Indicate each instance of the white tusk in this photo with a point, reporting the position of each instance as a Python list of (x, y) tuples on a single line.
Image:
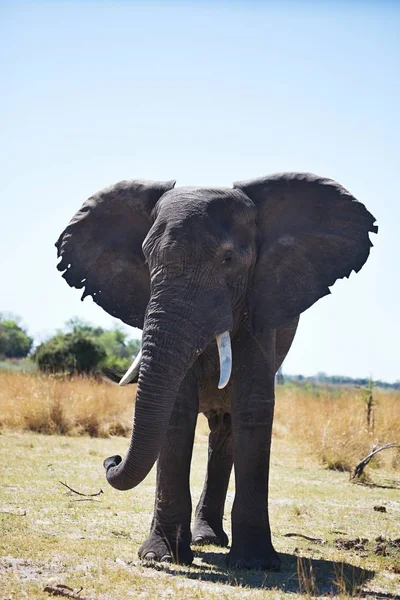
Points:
[(225, 358), (133, 370)]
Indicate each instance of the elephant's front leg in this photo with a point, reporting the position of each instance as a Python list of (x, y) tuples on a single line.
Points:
[(252, 416), (170, 536), (210, 509)]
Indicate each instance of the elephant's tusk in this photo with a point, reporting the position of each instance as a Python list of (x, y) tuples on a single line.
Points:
[(133, 370), (225, 358)]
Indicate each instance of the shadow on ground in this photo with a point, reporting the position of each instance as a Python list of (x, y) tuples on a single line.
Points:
[(314, 577)]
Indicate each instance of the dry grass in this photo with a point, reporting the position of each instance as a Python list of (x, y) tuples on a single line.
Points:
[(63, 405), (332, 424), (329, 423)]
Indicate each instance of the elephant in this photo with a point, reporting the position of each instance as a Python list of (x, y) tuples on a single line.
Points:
[(216, 278)]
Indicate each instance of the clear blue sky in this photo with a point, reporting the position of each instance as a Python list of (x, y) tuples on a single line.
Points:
[(95, 92)]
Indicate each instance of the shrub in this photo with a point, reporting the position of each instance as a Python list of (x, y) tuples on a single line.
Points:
[(119, 349), (116, 364), (70, 353), (14, 341)]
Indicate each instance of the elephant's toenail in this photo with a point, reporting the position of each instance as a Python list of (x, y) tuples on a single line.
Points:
[(166, 558), (150, 556)]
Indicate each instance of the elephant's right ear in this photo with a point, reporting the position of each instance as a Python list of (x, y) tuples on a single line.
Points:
[(101, 248)]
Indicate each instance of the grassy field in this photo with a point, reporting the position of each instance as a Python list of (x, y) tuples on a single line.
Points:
[(52, 537)]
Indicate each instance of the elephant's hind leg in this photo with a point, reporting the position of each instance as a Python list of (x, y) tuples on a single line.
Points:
[(169, 539), (208, 527)]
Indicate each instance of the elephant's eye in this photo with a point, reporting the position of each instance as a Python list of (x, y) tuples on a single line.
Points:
[(228, 258)]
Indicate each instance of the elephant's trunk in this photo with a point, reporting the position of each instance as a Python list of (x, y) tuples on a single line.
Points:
[(170, 345)]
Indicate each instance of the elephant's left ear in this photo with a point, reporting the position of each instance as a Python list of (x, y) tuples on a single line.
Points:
[(311, 232)]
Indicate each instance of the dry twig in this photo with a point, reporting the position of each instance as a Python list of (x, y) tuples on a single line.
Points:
[(362, 464), (64, 590), (80, 493)]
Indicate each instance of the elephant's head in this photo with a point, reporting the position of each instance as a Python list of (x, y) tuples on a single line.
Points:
[(188, 265)]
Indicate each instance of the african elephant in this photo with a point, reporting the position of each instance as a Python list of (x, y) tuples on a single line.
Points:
[(190, 266)]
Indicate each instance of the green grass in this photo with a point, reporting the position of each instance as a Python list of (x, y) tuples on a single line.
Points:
[(49, 538), (18, 365)]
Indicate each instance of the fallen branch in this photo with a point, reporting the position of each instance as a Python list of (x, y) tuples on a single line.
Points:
[(362, 464), (64, 590), (85, 500), (80, 493), (306, 537), (8, 512)]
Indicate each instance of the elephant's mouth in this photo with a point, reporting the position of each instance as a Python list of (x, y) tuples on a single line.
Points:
[(223, 341)]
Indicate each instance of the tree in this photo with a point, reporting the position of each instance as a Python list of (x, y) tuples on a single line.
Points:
[(119, 349), (86, 349), (70, 353), (14, 340), (75, 325)]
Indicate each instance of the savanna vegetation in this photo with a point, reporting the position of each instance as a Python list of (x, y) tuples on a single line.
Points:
[(80, 348), (336, 426), (338, 535), (84, 349)]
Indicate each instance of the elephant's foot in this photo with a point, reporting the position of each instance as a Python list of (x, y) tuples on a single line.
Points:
[(257, 555), (160, 548), (208, 531)]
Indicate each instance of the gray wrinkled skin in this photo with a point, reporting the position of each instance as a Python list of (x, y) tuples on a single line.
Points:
[(187, 264)]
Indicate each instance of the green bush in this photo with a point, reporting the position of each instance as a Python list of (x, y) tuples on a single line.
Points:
[(70, 353), (14, 341), (116, 363)]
